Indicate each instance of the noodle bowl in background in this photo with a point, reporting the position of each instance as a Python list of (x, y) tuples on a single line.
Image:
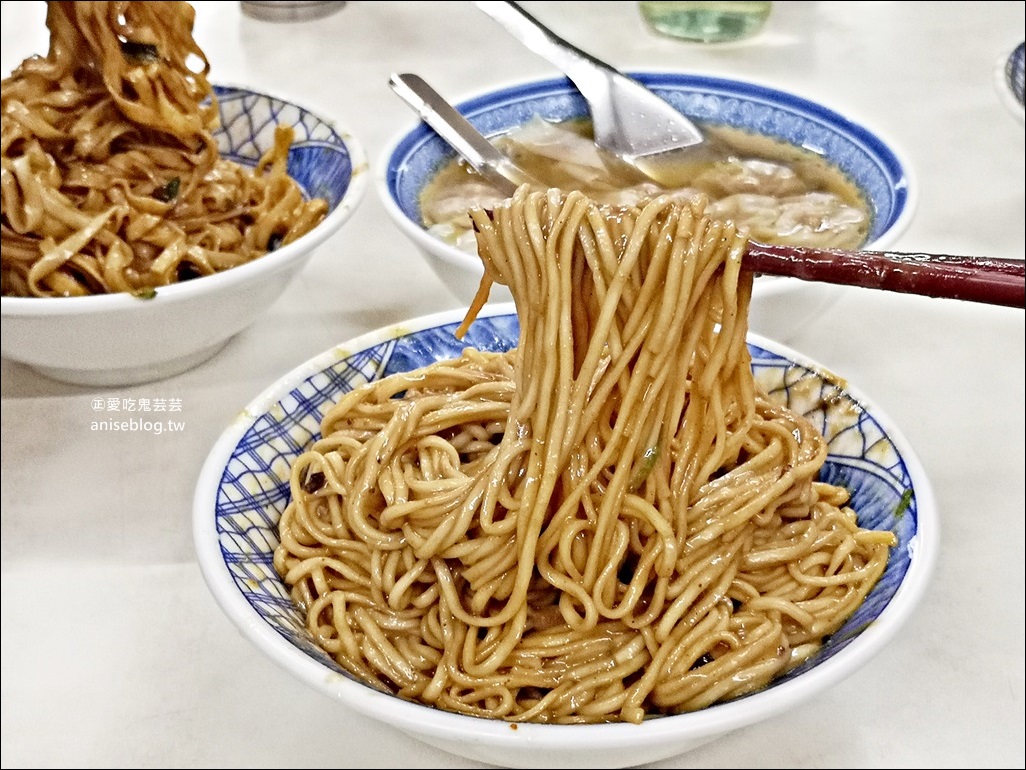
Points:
[(126, 337), (112, 176)]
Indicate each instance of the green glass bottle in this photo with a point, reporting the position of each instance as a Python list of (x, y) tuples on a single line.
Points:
[(712, 22)]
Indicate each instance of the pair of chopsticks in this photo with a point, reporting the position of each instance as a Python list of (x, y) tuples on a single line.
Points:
[(975, 279)]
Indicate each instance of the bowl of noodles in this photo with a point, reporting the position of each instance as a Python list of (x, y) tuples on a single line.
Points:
[(150, 215), (597, 526), (790, 169)]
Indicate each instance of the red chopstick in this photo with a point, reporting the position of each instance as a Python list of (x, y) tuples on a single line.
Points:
[(975, 279)]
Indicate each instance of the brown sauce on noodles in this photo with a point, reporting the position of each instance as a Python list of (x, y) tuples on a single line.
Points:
[(607, 523), (112, 180)]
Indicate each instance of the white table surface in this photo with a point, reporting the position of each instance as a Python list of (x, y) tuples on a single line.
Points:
[(114, 651)]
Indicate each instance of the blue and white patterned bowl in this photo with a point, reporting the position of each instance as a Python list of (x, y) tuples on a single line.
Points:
[(780, 305), (244, 487), (82, 339), (1009, 78), (321, 159)]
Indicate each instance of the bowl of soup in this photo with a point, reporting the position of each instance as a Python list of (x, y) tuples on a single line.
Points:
[(788, 169)]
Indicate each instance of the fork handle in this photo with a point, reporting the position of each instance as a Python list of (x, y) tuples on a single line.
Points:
[(459, 133), (586, 72)]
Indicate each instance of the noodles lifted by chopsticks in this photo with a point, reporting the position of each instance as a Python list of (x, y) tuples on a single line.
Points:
[(112, 180), (608, 522)]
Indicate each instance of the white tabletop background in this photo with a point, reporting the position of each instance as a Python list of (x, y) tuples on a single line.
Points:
[(114, 651)]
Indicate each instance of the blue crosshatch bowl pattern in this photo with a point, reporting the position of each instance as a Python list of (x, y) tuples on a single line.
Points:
[(1009, 79), (867, 456), (872, 163), (319, 158), (1014, 72)]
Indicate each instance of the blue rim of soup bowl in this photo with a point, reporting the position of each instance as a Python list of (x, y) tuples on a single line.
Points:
[(873, 163)]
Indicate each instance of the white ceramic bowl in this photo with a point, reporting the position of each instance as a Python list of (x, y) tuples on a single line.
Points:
[(243, 488), (780, 306), (119, 339)]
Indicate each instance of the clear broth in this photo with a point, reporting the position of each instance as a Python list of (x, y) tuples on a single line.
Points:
[(776, 191)]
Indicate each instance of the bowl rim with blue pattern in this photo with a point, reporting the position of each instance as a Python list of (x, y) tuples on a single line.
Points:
[(242, 111), (243, 487)]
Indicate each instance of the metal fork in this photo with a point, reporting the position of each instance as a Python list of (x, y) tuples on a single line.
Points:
[(629, 120)]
